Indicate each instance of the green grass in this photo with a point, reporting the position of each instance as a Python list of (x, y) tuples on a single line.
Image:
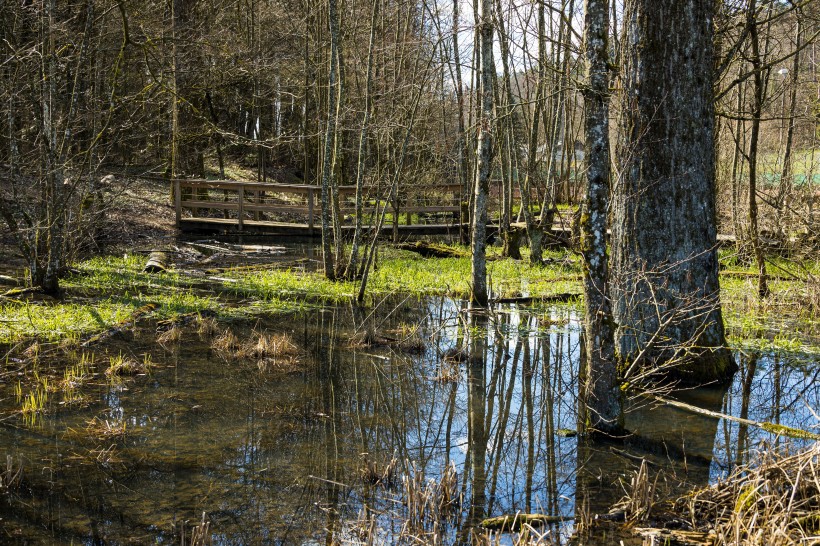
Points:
[(110, 290), (804, 163), (406, 272), (51, 322)]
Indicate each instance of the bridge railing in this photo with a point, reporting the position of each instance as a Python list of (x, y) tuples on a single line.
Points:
[(240, 202)]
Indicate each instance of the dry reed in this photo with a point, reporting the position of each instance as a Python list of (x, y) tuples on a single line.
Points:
[(773, 501)]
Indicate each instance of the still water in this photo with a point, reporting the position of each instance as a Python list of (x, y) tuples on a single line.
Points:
[(373, 414)]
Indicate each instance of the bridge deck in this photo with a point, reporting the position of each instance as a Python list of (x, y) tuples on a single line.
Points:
[(291, 229)]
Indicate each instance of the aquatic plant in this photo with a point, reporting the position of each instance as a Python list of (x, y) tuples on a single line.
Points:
[(106, 429), (200, 533), (449, 370), (34, 403), (121, 365), (171, 335), (11, 475), (74, 376), (376, 472), (227, 344)]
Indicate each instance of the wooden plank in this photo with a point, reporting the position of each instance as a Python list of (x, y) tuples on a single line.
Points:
[(305, 188), (431, 209), (302, 230), (247, 206)]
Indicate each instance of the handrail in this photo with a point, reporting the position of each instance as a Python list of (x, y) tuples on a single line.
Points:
[(255, 205)]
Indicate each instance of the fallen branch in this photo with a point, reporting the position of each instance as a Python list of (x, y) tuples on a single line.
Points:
[(674, 537), (774, 428), (562, 297), (123, 325), (514, 522)]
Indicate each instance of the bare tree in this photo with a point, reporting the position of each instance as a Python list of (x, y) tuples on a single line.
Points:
[(601, 391), (484, 158)]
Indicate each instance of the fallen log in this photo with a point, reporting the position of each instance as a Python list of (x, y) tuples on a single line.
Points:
[(157, 262), (561, 297), (5, 280), (514, 522), (675, 537), (431, 250)]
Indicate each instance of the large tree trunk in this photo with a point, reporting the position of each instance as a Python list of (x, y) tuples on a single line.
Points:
[(665, 270), (601, 389)]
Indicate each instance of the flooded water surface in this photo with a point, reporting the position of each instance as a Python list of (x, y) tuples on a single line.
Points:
[(413, 420)]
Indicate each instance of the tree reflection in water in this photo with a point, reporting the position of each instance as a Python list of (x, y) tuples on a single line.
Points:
[(329, 449)]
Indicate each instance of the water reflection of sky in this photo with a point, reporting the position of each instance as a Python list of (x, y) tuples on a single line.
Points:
[(278, 457)]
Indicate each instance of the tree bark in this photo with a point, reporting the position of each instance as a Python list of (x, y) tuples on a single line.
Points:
[(353, 263), (484, 158), (664, 254), (330, 131), (601, 389), (46, 275), (759, 93)]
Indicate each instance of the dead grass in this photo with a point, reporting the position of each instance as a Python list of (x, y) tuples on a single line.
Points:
[(376, 472), (200, 535), (272, 345), (227, 344), (104, 429), (272, 352), (122, 365), (206, 327), (449, 371), (170, 336), (773, 501)]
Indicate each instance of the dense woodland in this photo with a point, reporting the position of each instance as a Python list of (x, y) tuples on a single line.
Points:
[(670, 121), (638, 134), (374, 93)]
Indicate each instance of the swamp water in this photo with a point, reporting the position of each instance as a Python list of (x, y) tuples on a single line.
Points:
[(412, 421)]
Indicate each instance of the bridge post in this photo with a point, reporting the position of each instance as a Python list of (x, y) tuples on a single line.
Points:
[(178, 201), (241, 208), (310, 195)]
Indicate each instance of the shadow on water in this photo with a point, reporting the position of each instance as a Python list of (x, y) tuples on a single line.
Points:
[(412, 421)]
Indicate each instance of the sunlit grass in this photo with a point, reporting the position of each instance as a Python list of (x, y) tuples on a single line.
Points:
[(406, 272), (53, 321), (110, 290)]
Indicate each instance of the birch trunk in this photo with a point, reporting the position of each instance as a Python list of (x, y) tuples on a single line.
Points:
[(330, 131), (484, 158), (601, 389)]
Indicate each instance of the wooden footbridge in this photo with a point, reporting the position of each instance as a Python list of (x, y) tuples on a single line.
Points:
[(229, 206), (294, 210)]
